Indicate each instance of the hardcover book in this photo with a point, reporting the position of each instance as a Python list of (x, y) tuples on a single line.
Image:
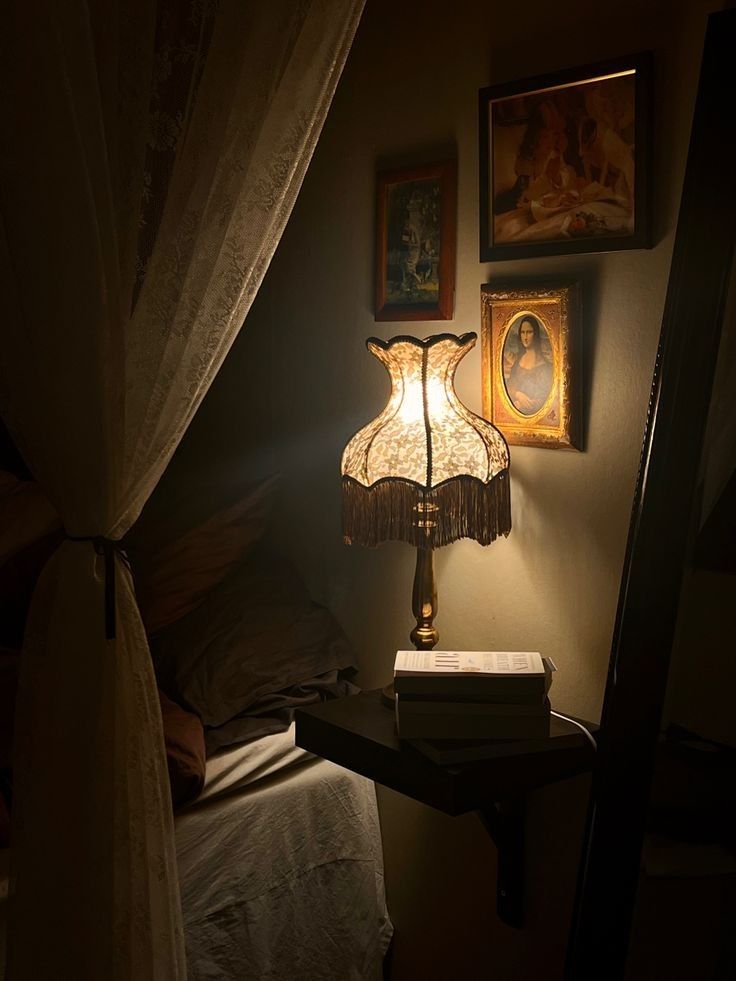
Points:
[(498, 676), (435, 720)]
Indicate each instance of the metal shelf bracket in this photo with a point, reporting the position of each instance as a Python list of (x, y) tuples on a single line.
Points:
[(504, 822)]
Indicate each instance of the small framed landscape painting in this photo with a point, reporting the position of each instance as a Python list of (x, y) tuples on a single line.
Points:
[(565, 161), (415, 243), (531, 384)]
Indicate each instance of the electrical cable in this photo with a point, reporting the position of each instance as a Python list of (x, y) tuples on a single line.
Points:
[(588, 735)]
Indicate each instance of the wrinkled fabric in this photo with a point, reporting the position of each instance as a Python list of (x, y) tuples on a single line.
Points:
[(281, 870), (274, 712)]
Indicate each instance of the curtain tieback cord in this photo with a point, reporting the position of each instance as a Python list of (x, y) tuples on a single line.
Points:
[(107, 547)]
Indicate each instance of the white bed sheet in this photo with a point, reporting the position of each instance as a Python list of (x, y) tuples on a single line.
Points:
[(236, 767), (281, 870)]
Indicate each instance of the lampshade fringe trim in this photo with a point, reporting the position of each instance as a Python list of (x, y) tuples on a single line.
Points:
[(465, 508)]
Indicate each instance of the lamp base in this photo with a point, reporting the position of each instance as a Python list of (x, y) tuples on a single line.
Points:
[(425, 635), (424, 601)]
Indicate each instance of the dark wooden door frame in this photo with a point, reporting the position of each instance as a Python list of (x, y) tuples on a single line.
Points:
[(661, 523)]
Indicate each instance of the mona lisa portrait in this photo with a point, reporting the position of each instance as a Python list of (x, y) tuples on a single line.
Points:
[(528, 364), (530, 385)]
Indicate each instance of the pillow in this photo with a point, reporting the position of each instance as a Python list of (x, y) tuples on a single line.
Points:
[(183, 736), (274, 712), (185, 755), (173, 574), (255, 633)]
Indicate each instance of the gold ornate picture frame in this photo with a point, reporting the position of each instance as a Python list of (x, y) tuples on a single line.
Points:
[(531, 381)]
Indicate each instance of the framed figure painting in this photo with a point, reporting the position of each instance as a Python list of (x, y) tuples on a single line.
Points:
[(415, 243), (565, 162), (531, 386)]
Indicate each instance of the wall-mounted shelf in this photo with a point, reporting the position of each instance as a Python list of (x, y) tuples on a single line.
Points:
[(359, 733)]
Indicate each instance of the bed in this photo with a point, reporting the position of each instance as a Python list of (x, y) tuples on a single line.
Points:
[(280, 862), (281, 870)]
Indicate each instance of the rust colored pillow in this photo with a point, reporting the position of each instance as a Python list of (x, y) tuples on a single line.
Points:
[(183, 736), (185, 753), (174, 576)]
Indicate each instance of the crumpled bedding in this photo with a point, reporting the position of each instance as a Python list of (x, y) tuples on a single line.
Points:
[(274, 711), (235, 768), (281, 869)]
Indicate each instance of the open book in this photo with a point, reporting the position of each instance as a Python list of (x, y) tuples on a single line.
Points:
[(516, 663)]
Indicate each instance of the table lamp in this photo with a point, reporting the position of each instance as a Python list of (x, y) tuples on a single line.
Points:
[(427, 470)]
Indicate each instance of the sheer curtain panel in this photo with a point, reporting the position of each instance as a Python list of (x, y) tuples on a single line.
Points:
[(151, 154)]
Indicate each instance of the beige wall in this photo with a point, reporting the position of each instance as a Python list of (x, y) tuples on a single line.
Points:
[(299, 382), (409, 91)]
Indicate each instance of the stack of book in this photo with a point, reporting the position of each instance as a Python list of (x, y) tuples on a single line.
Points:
[(472, 695)]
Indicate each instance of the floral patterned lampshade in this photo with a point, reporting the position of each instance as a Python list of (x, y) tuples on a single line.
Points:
[(427, 470)]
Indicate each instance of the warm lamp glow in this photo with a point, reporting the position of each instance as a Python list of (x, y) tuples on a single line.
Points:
[(425, 455)]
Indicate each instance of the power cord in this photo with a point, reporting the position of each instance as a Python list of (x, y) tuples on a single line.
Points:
[(588, 734)]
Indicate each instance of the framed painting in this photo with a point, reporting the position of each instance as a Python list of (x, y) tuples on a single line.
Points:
[(415, 243), (529, 349), (565, 162)]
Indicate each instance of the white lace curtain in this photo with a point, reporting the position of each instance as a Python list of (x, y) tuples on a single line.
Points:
[(151, 154)]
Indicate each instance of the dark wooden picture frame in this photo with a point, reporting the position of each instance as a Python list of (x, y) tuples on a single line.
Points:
[(565, 162), (415, 243), (540, 404)]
